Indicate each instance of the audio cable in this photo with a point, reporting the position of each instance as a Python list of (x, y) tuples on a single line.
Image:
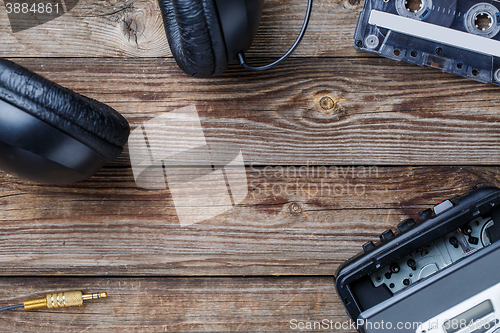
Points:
[(243, 61), (56, 300)]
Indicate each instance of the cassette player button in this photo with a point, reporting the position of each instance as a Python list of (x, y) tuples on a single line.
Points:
[(388, 234), (426, 214), (368, 246), (406, 224), (443, 207)]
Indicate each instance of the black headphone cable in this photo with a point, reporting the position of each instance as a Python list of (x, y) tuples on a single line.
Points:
[(243, 61)]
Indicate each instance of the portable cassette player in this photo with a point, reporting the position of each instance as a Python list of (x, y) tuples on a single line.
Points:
[(438, 275)]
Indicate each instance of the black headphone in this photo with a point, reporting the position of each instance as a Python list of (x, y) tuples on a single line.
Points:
[(51, 134), (205, 35)]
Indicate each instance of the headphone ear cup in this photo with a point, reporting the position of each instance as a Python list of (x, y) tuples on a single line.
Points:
[(195, 36), (41, 119)]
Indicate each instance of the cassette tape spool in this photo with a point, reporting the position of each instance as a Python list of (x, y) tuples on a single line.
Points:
[(458, 37)]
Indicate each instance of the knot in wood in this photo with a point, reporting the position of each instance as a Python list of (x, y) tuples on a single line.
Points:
[(295, 208), (327, 103)]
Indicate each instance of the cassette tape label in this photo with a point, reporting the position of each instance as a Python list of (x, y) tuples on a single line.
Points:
[(459, 37)]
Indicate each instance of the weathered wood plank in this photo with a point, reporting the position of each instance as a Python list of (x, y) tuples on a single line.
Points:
[(175, 304), (383, 112), (295, 221), (304, 223), (134, 28)]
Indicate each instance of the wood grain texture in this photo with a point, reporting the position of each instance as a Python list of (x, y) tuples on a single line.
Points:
[(313, 197), (380, 116), (176, 304), (306, 223), (134, 28)]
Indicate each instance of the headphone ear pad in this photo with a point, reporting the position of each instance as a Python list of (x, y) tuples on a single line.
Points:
[(44, 123), (195, 36)]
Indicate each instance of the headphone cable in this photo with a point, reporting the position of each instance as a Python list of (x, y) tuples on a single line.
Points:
[(243, 61), (12, 307)]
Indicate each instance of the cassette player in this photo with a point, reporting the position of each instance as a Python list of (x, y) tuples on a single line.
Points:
[(438, 275), (459, 37)]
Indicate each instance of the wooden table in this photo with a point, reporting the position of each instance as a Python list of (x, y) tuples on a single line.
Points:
[(405, 137)]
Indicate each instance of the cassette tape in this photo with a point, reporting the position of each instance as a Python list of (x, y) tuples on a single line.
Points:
[(459, 37), (438, 275)]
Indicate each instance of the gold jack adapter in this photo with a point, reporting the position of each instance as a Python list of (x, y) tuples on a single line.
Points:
[(61, 300)]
